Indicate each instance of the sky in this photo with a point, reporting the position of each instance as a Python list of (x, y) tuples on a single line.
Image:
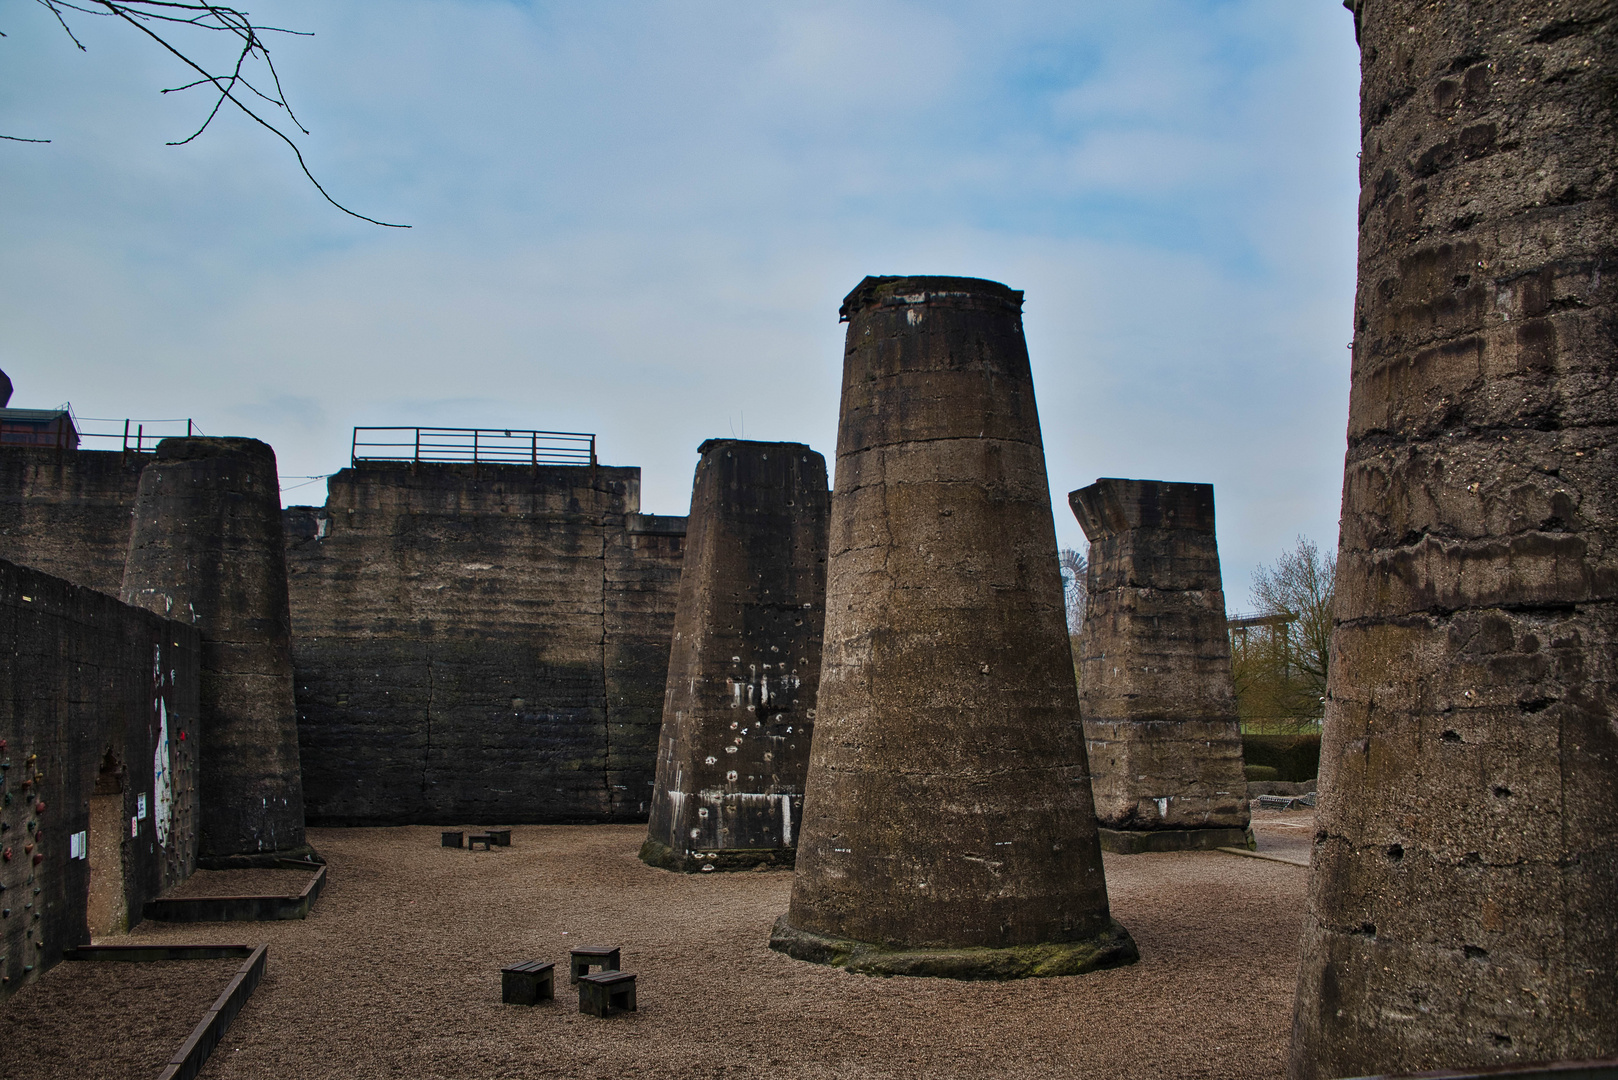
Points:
[(638, 219)]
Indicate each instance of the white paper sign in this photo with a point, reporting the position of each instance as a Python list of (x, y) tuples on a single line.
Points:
[(140, 806), (134, 826), (76, 845)]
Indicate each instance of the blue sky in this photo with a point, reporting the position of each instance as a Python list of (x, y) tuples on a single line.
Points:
[(638, 219)]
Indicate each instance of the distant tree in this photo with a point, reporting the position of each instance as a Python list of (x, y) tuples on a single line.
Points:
[(1281, 668), (248, 80), (1074, 565)]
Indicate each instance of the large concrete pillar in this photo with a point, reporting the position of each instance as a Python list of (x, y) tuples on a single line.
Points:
[(948, 826), (1463, 901), (745, 664), (1155, 687), (207, 548)]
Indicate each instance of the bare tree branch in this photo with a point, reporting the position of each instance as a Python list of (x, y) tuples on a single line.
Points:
[(147, 16)]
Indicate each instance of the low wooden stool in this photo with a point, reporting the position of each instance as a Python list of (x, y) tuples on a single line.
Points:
[(601, 993), (451, 839), (475, 839), (501, 837), (586, 957), (528, 983)]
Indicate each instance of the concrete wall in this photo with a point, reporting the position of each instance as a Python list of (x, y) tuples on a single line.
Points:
[(87, 682), (480, 645), (68, 512)]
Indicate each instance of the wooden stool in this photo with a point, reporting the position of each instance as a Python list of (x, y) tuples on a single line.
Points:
[(501, 837), (528, 983), (475, 839), (601, 993), (451, 839), (586, 957)]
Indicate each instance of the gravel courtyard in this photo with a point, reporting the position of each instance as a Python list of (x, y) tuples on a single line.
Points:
[(396, 974)]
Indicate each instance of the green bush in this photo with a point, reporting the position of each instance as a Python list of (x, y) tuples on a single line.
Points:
[(1295, 758), (1261, 772)]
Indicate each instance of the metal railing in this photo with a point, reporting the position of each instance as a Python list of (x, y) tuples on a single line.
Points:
[(132, 436), (490, 446)]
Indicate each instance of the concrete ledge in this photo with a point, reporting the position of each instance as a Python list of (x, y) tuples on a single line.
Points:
[(1137, 842), (1604, 1069), (240, 908), (1113, 947), (658, 854)]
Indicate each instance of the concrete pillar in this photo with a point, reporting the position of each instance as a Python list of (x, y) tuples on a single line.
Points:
[(948, 825), (207, 549), (1155, 687), (1463, 900), (745, 664)]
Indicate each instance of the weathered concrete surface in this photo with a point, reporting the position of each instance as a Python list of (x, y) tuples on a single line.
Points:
[(89, 688), (68, 512), (1463, 902), (207, 549), (745, 665), (481, 644), (948, 823), (1156, 692)]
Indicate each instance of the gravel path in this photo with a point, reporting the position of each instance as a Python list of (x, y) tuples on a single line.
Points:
[(107, 1020), (396, 973)]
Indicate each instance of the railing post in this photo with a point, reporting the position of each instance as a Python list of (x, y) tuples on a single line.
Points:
[(126, 435), (416, 458), (140, 438)]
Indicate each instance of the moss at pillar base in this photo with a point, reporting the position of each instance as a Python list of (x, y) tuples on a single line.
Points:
[(1113, 947), (1137, 842), (658, 854)]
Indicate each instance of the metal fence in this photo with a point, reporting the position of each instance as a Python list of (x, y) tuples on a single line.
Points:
[(492, 446), (131, 436)]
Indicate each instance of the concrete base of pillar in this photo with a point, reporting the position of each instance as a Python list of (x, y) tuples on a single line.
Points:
[(658, 854), (1111, 948), (259, 860), (1139, 841)]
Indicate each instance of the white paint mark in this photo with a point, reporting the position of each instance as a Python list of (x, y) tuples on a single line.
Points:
[(1162, 807), (162, 779), (786, 819)]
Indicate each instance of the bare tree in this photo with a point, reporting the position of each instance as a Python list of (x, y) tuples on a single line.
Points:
[(1281, 667), (1074, 565), (248, 81)]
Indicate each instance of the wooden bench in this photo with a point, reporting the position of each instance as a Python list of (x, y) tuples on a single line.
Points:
[(586, 957), (528, 983), (601, 993), (475, 839), (450, 839)]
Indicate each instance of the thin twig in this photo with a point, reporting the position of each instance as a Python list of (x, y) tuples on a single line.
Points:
[(218, 18)]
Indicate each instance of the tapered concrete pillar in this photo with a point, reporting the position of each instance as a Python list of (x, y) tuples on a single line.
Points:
[(1463, 901), (948, 826), (1155, 687), (207, 548), (745, 664)]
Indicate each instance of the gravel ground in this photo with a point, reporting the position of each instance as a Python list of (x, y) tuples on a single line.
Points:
[(396, 973), (106, 1020)]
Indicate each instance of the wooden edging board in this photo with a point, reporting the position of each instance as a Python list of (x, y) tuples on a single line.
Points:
[(1262, 855), (188, 1059), (240, 908)]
